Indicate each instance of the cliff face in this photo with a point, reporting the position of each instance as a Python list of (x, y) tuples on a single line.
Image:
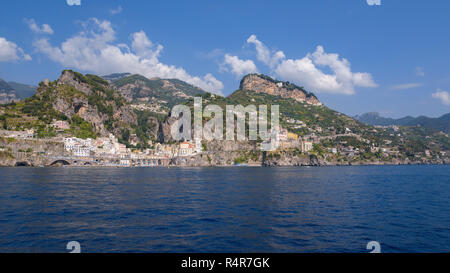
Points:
[(265, 84), (90, 98)]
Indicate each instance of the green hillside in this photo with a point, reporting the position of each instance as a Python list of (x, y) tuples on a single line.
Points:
[(166, 91)]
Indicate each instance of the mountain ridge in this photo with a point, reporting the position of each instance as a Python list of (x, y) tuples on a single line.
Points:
[(441, 123), (261, 83), (13, 91), (89, 107), (165, 92)]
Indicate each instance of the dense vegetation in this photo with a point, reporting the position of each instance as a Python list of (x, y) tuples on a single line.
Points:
[(38, 112), (159, 89)]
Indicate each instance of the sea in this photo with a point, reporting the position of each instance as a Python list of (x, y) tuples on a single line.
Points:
[(231, 209)]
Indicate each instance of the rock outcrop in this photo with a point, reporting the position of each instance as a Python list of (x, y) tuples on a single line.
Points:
[(90, 98), (265, 84)]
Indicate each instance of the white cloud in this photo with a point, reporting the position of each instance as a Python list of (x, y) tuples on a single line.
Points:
[(306, 71), (405, 86), (240, 67), (116, 10), (443, 96), (420, 72), (144, 48), (73, 2), (263, 53), (9, 52), (44, 29), (374, 2), (94, 50)]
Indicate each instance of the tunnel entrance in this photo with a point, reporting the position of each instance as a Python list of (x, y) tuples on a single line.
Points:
[(23, 164), (60, 163)]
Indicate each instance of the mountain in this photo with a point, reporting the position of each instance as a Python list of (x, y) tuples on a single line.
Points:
[(440, 124), (265, 84), (155, 92), (130, 108), (6, 92), (12, 91), (95, 107), (86, 102), (22, 91), (115, 76), (300, 111), (374, 118)]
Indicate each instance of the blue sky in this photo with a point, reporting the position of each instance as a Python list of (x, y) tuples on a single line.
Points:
[(391, 58)]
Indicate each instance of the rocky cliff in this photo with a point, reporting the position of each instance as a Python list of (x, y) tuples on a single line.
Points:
[(90, 98), (265, 84)]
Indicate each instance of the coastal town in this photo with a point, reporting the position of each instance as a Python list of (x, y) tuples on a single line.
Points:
[(86, 120), (108, 151)]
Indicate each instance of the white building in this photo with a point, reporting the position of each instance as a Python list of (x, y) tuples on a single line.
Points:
[(282, 134), (307, 146), (186, 149), (125, 162), (79, 147), (81, 151)]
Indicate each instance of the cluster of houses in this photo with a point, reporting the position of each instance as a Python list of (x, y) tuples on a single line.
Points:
[(185, 148), (110, 146), (100, 146), (289, 140), (296, 124)]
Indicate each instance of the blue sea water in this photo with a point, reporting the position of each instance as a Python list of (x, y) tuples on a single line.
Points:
[(323, 209)]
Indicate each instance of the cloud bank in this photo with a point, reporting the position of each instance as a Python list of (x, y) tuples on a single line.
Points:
[(94, 50), (307, 71), (10, 52)]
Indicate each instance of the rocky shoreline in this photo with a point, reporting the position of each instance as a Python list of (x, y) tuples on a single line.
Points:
[(198, 162), (51, 152)]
